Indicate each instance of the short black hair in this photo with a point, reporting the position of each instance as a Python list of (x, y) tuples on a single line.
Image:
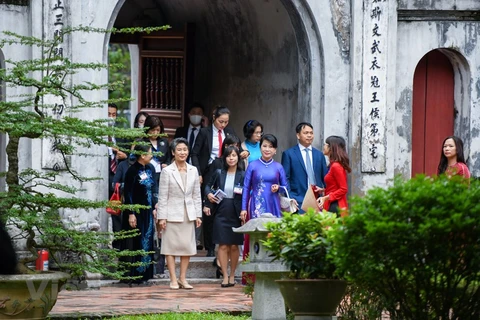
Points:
[(142, 148), (249, 128), (196, 105), (270, 138), (227, 152), (113, 105), (231, 139), (302, 125), (152, 122)]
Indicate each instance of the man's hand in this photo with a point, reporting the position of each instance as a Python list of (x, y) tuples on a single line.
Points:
[(121, 155)]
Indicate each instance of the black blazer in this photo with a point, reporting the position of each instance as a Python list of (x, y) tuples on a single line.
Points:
[(181, 132), (203, 148), (217, 181)]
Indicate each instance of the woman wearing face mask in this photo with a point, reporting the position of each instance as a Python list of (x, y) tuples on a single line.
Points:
[(140, 118), (140, 188), (228, 179)]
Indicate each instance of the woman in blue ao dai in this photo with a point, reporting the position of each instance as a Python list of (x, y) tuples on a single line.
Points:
[(262, 181), (140, 188)]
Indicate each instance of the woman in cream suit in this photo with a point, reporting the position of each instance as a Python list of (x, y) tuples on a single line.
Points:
[(179, 212)]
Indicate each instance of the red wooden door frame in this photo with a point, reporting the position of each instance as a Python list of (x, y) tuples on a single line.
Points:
[(432, 112)]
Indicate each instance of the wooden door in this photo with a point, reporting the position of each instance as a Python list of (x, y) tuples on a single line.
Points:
[(166, 75), (433, 111)]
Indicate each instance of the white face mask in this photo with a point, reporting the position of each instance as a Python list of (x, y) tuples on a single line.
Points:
[(111, 122), (195, 119)]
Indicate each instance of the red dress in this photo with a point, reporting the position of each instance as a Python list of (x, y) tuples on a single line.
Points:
[(458, 169), (336, 186)]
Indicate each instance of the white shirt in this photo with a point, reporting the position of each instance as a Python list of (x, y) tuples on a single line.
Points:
[(195, 133), (304, 154), (215, 146)]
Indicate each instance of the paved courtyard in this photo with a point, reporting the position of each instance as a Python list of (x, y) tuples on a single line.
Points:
[(122, 300)]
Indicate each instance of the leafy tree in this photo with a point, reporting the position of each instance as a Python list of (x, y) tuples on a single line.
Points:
[(34, 198), (118, 54)]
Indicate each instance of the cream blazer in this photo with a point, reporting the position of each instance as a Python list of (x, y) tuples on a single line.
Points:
[(173, 197)]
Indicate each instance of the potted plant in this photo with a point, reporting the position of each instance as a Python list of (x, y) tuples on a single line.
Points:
[(31, 206), (304, 244), (415, 247)]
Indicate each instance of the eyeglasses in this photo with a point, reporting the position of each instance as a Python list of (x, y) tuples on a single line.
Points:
[(258, 133)]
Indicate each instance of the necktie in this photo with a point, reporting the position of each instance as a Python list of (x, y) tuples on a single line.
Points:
[(220, 141), (113, 161), (191, 140), (113, 165), (310, 173)]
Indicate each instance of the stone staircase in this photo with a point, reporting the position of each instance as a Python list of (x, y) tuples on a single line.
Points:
[(200, 270)]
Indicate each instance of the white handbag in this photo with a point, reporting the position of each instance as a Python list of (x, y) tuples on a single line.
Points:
[(286, 203)]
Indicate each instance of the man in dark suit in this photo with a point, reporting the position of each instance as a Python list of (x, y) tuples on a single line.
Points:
[(197, 121), (303, 164), (207, 147), (115, 156)]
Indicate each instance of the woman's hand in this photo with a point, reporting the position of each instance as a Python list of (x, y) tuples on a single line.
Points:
[(321, 201), (154, 214), (319, 190), (274, 188), (243, 216), (244, 154), (206, 210), (198, 222), (162, 224), (132, 220), (212, 198)]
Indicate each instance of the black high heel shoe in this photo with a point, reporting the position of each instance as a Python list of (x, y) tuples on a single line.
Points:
[(219, 273)]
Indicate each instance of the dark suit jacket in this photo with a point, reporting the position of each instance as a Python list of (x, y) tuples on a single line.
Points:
[(181, 132), (294, 166), (203, 148), (217, 181)]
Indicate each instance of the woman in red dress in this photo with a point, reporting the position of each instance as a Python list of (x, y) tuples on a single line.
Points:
[(452, 159), (335, 196)]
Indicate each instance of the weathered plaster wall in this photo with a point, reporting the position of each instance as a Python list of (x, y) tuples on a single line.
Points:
[(461, 43), (333, 24), (10, 15)]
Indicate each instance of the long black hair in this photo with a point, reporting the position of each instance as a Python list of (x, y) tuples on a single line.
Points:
[(443, 164)]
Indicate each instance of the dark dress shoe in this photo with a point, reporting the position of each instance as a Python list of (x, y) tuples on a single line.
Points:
[(225, 285), (210, 253), (199, 247)]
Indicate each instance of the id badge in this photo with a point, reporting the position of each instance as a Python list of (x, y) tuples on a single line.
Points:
[(143, 176), (238, 190), (156, 165)]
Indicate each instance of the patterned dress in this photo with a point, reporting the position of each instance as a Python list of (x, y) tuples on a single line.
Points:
[(140, 188), (257, 197)]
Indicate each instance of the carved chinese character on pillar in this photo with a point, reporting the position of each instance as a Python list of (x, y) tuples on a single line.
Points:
[(54, 106), (375, 37)]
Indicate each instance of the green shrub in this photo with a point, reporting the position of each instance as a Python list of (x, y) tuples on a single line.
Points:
[(302, 242), (416, 246)]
